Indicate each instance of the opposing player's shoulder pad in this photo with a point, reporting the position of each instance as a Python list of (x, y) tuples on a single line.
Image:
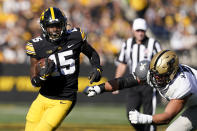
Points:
[(30, 49), (180, 88)]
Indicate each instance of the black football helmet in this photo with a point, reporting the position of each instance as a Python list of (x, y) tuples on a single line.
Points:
[(53, 17)]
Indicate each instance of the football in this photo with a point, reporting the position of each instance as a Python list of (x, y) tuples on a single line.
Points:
[(41, 64)]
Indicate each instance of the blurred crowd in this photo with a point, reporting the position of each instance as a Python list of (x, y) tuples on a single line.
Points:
[(106, 22)]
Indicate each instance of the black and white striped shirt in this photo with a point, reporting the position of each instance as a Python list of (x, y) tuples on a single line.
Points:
[(131, 52)]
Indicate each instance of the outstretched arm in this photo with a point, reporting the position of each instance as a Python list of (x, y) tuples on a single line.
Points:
[(112, 85)]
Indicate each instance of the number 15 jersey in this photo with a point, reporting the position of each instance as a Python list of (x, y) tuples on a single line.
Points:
[(63, 83)]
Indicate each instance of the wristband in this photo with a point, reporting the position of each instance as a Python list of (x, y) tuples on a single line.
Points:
[(102, 87), (145, 119)]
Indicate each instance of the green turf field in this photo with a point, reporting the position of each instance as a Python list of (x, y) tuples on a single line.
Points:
[(84, 117)]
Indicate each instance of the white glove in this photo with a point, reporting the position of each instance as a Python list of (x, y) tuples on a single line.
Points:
[(138, 118), (91, 91)]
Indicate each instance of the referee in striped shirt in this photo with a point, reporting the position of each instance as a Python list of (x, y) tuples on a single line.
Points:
[(135, 49)]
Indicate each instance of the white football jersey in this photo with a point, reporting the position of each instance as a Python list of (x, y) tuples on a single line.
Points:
[(185, 83)]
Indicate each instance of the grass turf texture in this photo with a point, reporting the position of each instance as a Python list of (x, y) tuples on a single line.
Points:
[(84, 117)]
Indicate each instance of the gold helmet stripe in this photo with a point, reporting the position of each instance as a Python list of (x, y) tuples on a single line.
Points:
[(159, 57), (42, 16), (52, 13)]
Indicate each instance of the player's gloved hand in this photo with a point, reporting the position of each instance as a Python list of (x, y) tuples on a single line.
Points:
[(95, 74), (91, 91), (36, 81), (47, 69), (138, 118)]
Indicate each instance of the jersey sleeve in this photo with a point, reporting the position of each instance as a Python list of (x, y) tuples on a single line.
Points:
[(127, 82), (180, 89), (157, 47), (122, 55), (91, 54), (30, 51)]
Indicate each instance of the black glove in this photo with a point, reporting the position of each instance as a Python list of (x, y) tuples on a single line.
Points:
[(36, 81), (46, 70), (95, 74)]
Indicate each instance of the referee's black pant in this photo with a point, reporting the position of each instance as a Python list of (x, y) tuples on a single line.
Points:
[(144, 96)]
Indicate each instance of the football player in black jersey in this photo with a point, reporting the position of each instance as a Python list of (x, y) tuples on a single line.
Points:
[(58, 79)]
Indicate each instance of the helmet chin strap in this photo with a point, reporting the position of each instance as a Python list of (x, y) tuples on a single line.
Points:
[(54, 36)]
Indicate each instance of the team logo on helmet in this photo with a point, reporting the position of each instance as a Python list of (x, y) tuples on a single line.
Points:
[(142, 69)]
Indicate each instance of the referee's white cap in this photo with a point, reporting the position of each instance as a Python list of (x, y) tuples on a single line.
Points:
[(139, 24)]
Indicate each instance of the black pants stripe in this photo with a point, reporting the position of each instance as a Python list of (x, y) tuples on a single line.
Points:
[(145, 97)]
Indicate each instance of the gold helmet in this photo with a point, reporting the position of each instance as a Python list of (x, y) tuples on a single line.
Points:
[(163, 68)]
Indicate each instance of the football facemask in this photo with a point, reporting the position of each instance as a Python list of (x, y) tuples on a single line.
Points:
[(54, 31), (163, 68), (53, 24), (159, 80)]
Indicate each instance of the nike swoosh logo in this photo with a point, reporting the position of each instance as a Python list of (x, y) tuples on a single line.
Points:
[(62, 102), (70, 45)]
